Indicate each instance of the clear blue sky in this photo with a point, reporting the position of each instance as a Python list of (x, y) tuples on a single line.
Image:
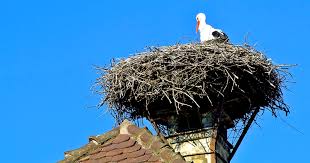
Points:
[(48, 50)]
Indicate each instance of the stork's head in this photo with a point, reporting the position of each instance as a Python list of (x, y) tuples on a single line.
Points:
[(201, 17)]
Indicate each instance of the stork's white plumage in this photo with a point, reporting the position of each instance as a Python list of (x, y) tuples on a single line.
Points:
[(207, 32)]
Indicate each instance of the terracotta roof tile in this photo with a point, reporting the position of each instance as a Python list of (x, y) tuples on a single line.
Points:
[(153, 158), (133, 129), (98, 155), (133, 148), (108, 148), (125, 144), (145, 137), (165, 154), (124, 161), (95, 151), (107, 159), (178, 160), (86, 161), (143, 158), (129, 144), (106, 144), (136, 154), (121, 138), (157, 145), (114, 152), (148, 152), (119, 158)]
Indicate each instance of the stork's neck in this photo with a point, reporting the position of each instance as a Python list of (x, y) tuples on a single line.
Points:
[(203, 25)]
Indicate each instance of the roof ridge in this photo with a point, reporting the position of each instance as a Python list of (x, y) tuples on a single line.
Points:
[(142, 136), (73, 155), (153, 142)]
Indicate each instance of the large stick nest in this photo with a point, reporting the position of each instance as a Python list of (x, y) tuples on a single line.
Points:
[(192, 78)]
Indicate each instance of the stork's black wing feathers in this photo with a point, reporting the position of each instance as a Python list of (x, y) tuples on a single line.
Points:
[(216, 34), (220, 35)]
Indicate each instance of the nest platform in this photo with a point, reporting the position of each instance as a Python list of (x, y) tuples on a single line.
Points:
[(188, 79)]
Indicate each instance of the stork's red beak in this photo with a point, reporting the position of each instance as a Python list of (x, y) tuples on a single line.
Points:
[(197, 26)]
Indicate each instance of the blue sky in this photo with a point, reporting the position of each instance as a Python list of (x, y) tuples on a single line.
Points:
[(48, 50)]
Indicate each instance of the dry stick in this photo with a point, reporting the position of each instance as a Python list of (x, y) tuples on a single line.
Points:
[(155, 126), (189, 64), (157, 130), (246, 128)]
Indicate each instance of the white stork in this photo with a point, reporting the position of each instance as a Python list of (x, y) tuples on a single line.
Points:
[(207, 32)]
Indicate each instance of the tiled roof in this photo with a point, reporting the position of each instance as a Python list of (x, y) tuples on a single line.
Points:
[(124, 144)]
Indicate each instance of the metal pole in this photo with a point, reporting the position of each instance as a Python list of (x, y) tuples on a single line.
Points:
[(246, 128)]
